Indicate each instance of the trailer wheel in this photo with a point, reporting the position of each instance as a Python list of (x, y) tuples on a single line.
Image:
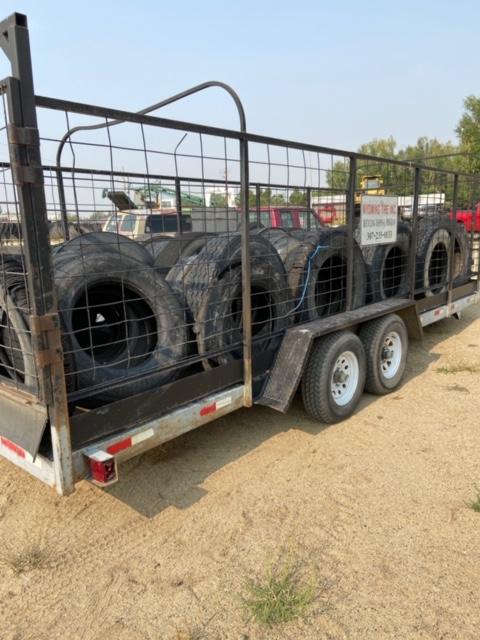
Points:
[(334, 377), (386, 345)]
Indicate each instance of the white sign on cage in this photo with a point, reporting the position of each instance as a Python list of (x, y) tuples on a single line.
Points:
[(378, 220)]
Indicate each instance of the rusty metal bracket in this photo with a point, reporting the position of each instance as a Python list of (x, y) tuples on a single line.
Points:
[(46, 336), (24, 136)]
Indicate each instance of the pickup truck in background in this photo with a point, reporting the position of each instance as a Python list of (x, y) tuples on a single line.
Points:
[(469, 218), (286, 217), (138, 223)]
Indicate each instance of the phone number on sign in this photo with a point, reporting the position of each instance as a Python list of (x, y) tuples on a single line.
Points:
[(379, 235)]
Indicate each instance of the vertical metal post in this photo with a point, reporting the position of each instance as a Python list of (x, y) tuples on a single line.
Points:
[(350, 226), (246, 272), (257, 203), (178, 203), (63, 204), (309, 208), (27, 175), (451, 252), (412, 257)]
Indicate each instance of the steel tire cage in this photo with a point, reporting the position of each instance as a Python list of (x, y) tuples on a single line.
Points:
[(27, 174)]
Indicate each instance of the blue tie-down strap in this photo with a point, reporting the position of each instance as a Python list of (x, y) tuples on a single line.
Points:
[(309, 268)]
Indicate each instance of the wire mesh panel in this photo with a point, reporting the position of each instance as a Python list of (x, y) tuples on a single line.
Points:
[(17, 363), (152, 244), (298, 202), (147, 249)]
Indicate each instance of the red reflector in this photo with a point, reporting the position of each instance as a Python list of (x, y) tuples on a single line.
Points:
[(103, 471), (119, 446), (209, 408), (13, 447)]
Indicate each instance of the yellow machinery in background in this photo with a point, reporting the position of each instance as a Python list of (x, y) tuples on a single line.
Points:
[(369, 186)]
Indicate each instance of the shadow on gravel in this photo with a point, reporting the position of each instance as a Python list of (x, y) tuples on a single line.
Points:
[(172, 475)]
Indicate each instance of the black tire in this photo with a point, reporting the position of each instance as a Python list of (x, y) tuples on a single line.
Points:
[(99, 242), (15, 339), (124, 324), (56, 231), (462, 257), (282, 239), (433, 246), (212, 288), (387, 266), (325, 292), (379, 338), (168, 252), (319, 385)]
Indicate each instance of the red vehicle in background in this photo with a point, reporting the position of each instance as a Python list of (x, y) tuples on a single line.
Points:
[(286, 217), (470, 219), (326, 214)]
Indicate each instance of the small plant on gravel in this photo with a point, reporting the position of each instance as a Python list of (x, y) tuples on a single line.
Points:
[(475, 504), (459, 367), (33, 555), (280, 596)]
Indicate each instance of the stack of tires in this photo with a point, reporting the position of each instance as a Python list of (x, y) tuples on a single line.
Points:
[(122, 325), (16, 357), (136, 314), (209, 284), (434, 240)]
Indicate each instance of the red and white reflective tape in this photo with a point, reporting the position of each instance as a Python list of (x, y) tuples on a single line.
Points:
[(21, 453), (215, 406), (126, 443)]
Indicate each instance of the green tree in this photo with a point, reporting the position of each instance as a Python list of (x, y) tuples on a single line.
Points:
[(97, 215), (337, 176), (267, 199), (468, 131), (218, 200), (298, 198), (252, 199), (398, 179)]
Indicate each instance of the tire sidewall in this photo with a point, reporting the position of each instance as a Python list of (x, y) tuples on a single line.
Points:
[(353, 344), (393, 382), (439, 236)]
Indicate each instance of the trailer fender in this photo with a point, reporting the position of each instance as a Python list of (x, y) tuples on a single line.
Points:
[(287, 370)]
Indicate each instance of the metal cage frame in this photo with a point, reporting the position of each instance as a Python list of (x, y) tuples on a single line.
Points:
[(176, 407)]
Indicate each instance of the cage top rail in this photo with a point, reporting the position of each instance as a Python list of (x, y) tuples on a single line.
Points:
[(146, 119), (158, 105)]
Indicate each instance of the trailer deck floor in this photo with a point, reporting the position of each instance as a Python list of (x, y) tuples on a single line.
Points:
[(374, 508)]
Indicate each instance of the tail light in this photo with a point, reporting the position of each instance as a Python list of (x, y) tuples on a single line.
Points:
[(103, 469)]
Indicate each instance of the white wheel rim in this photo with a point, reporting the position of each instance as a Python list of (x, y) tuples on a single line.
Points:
[(344, 380), (391, 355)]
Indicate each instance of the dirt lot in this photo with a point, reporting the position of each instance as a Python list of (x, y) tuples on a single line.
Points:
[(374, 512)]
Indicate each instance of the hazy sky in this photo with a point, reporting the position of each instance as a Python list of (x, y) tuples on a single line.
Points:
[(332, 73)]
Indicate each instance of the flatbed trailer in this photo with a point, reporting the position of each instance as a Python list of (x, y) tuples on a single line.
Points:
[(67, 414)]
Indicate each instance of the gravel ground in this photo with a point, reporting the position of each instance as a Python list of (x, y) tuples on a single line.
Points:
[(373, 511)]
